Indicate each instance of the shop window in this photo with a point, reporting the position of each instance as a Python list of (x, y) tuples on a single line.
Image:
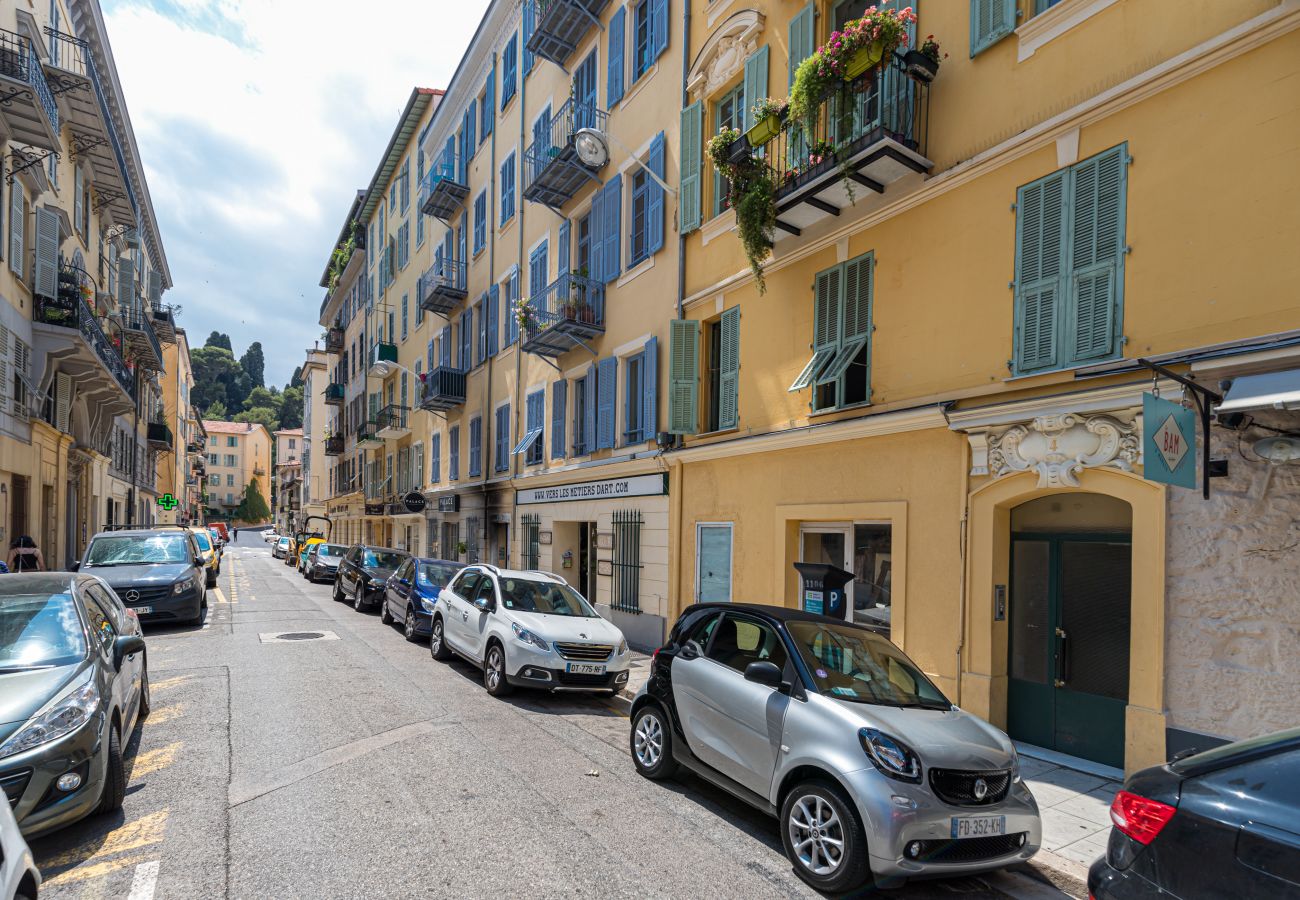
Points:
[(627, 561), (873, 576), (713, 562), (531, 549)]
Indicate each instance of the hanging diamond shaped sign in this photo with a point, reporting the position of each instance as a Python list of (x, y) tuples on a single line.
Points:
[(1168, 437)]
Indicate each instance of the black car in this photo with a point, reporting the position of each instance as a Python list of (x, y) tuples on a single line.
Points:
[(412, 594), (73, 682), (323, 561), (158, 572), (1223, 823), (363, 573)]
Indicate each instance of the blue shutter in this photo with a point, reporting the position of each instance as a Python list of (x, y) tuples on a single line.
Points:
[(559, 393), (650, 389), (595, 222), (655, 197), (428, 356), (467, 340), (508, 75), (658, 27), (444, 347), (690, 158), (990, 21), (755, 83), (489, 108), (562, 251), (606, 372), (493, 319), (529, 13), (472, 122), (476, 446), (435, 459), (614, 86), (589, 415), (514, 298), (501, 437), (613, 210)]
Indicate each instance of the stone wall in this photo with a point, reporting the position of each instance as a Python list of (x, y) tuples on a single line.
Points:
[(1233, 593)]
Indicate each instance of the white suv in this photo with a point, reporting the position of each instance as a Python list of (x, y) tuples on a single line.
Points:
[(528, 629)]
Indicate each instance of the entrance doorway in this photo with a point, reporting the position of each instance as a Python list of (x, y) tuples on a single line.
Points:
[(1068, 670), (587, 560)]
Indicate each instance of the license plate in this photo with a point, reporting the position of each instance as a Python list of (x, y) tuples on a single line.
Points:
[(142, 610), (978, 826), (584, 669)]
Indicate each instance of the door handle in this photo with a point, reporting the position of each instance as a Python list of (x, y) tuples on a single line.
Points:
[(1063, 657), (464, 616)]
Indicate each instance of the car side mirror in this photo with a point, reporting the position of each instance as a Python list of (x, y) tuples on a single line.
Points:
[(484, 604), (763, 672), (124, 647), (691, 650), (198, 561)]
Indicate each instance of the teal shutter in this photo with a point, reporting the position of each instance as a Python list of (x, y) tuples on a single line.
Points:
[(1096, 255), (650, 389), (493, 319), (803, 35), (854, 317), (611, 258), (1040, 267), (606, 374), (616, 67), (990, 21), (559, 393), (655, 196), (529, 15), (690, 158), (17, 227), (683, 376), (826, 319), (729, 369), (755, 82)]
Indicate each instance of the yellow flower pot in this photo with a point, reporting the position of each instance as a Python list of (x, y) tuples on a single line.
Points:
[(865, 59), (764, 130)]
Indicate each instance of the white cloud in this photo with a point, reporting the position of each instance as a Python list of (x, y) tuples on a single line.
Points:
[(257, 121)]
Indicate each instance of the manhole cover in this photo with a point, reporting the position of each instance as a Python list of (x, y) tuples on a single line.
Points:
[(284, 637)]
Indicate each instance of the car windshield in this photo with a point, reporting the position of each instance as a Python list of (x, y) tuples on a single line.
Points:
[(205, 542), (284, 541), (382, 559), (531, 595), (39, 631), (335, 550), (853, 664), (434, 575), (133, 549)]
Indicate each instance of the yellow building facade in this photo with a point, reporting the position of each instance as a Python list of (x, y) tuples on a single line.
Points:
[(938, 395), (182, 466), (239, 454)]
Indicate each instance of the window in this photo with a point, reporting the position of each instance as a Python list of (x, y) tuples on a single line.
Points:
[(839, 371), (638, 248), (232, 441), (508, 188), (230, 480), (990, 21), (476, 447), (580, 436), (487, 106), (480, 222), (584, 245), (231, 460), (501, 456), (713, 562), (634, 387), (509, 70), (531, 550), (293, 443), (641, 39), (532, 442), (728, 112), (1070, 264), (453, 453), (481, 344), (214, 480), (213, 459), (537, 270), (512, 297), (740, 640), (405, 317)]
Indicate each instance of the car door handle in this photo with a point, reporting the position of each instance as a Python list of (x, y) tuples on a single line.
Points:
[(465, 616)]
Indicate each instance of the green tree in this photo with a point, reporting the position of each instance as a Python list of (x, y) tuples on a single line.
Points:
[(296, 380), (260, 415), (215, 371), (291, 407), (253, 363), (262, 396), (216, 412), (253, 508), (217, 339)]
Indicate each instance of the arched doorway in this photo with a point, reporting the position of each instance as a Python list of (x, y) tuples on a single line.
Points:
[(1070, 594)]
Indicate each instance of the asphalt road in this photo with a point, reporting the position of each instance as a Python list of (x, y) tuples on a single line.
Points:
[(356, 766)]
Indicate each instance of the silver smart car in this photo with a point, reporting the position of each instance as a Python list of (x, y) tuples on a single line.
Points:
[(830, 727)]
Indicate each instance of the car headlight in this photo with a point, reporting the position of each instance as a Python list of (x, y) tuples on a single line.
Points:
[(61, 717), (529, 638), (429, 603), (890, 755), (622, 646), (183, 585), (1015, 766)]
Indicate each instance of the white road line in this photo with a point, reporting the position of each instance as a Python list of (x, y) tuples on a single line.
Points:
[(145, 880)]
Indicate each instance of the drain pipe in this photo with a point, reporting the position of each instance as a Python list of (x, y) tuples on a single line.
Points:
[(963, 552), (681, 238), (489, 421), (520, 205)]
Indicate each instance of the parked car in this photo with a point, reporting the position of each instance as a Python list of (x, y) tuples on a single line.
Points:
[(211, 554), (412, 593), (269, 535), (363, 572), (73, 681), (302, 556), (323, 561), (832, 729), (223, 533), (19, 877), (280, 549), (157, 572), (528, 629), (1223, 823)]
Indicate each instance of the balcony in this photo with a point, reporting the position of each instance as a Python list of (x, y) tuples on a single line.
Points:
[(75, 81), (444, 389), (69, 334), (560, 25), (367, 436), (334, 392), (553, 174), (334, 339), (381, 354), (334, 445), (392, 422), (26, 101), (869, 135), (442, 286), (141, 341), (159, 436), (164, 323), (445, 187), (567, 314)]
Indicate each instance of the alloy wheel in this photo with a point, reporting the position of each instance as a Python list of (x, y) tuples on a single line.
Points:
[(648, 741), (494, 667), (410, 624), (816, 835), (435, 637)]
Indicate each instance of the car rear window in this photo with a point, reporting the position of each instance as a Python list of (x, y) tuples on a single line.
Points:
[(334, 550)]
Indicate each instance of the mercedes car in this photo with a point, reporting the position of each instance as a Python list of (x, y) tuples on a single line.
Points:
[(158, 572)]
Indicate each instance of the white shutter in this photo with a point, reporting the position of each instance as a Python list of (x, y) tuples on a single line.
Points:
[(155, 289), (63, 402), (45, 279), (125, 284), (16, 227), (78, 200)]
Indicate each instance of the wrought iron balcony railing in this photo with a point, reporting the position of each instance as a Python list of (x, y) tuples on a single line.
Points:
[(560, 25), (159, 436), (391, 422), (444, 389), (334, 339), (444, 189), (137, 328), (26, 101), (442, 286), (72, 312), (567, 314), (366, 436), (553, 174), (164, 323), (334, 445), (334, 394)]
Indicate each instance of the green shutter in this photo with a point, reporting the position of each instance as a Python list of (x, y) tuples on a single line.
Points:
[(755, 83), (1096, 255), (729, 370), (858, 280), (691, 156), (826, 313), (1040, 267), (990, 21), (683, 376), (803, 37)]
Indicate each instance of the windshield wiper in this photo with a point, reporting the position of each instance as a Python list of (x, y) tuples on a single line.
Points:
[(9, 670)]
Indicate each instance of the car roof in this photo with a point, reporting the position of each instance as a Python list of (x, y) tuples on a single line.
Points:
[(438, 562), (779, 613), (40, 582), (533, 574), (175, 529), (381, 549)]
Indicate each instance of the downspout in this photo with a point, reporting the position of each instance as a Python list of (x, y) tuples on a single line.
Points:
[(681, 238), (489, 421), (519, 256), (963, 551)]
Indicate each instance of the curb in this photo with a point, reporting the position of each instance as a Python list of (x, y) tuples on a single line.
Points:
[(1066, 875)]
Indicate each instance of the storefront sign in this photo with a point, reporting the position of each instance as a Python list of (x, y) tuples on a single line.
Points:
[(414, 502), (374, 509), (609, 489), (1168, 442), (449, 503)]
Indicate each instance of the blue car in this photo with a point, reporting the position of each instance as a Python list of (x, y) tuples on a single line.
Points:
[(412, 591)]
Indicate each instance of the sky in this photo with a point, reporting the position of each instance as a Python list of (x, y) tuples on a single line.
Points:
[(257, 121)]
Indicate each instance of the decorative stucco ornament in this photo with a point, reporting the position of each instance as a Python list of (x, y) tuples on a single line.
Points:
[(1059, 447)]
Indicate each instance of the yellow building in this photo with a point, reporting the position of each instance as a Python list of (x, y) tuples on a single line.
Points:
[(939, 394), (182, 464), (315, 473), (82, 325), (287, 494), (239, 454)]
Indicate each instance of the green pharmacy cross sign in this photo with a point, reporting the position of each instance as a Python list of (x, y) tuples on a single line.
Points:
[(168, 502)]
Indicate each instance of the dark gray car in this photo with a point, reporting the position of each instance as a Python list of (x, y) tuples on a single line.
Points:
[(323, 561), (158, 572), (73, 682)]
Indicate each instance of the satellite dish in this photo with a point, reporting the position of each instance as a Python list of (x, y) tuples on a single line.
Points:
[(591, 147)]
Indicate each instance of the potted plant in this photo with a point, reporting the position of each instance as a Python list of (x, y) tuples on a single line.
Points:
[(922, 63), (769, 114), (728, 148), (525, 316), (461, 548), (752, 194)]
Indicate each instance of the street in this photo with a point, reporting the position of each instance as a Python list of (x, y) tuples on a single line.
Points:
[(355, 766)]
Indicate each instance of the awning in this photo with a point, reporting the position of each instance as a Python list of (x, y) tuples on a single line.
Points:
[(1273, 390)]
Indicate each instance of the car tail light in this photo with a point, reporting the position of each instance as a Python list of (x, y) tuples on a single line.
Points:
[(654, 656), (1140, 818)]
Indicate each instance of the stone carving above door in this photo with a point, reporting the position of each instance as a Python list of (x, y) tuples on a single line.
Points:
[(723, 56), (1058, 447)]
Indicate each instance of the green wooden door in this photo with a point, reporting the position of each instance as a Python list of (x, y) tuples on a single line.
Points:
[(1069, 643)]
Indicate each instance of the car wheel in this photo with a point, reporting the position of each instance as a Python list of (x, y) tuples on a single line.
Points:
[(494, 671), (385, 617), (359, 600), (115, 776), (823, 837), (408, 626), (146, 700), (197, 618), (437, 641), (338, 592), (652, 745)]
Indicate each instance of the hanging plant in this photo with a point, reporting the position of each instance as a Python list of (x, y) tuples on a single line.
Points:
[(525, 316), (752, 194)]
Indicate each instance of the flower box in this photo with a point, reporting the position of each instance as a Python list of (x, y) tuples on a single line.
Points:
[(738, 150), (920, 67), (764, 130), (864, 59)]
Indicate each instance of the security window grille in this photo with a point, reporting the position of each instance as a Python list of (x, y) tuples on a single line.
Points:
[(627, 561), (531, 549)]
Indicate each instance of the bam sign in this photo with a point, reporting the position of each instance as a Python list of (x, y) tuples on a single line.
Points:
[(1168, 442)]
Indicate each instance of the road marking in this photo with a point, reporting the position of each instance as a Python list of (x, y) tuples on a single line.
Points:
[(221, 598), (165, 714), (168, 682), (145, 880), (150, 762), (131, 836), (81, 873)]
